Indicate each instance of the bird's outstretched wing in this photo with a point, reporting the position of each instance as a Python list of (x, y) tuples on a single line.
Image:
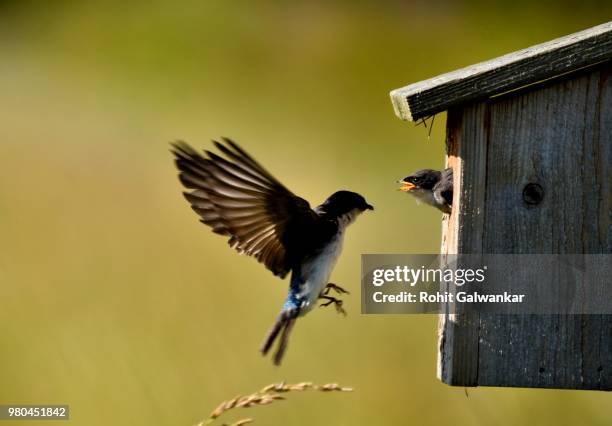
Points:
[(238, 198)]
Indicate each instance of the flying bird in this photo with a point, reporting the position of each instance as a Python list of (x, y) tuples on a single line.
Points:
[(431, 187), (234, 195)]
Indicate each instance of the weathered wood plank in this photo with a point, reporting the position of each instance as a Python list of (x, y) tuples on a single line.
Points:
[(467, 154), (508, 72), (449, 247), (560, 137)]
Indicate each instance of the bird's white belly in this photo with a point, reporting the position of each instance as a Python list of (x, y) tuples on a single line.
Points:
[(317, 272), (422, 196)]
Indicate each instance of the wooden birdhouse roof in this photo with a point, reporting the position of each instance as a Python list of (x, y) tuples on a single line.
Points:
[(516, 70)]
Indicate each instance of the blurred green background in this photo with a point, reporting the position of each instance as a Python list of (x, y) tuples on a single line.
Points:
[(115, 300)]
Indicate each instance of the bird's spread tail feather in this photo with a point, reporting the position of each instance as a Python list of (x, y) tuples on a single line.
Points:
[(283, 325)]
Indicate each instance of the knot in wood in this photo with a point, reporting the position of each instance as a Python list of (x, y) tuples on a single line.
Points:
[(533, 194)]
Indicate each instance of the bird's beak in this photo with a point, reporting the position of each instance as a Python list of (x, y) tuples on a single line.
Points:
[(406, 186), (369, 207)]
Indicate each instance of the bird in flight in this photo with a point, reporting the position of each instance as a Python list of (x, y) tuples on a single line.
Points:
[(234, 195), (431, 187)]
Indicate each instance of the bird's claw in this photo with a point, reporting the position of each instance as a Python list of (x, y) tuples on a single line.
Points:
[(337, 303), (336, 288)]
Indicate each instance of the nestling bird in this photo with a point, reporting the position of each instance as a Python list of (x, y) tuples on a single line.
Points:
[(431, 187), (239, 199)]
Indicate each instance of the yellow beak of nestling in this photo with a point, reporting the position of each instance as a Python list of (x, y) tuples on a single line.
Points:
[(406, 186)]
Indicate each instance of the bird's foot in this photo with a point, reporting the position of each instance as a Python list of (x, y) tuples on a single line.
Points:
[(337, 303), (336, 288)]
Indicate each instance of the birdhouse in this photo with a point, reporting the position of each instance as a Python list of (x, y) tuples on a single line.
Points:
[(529, 139)]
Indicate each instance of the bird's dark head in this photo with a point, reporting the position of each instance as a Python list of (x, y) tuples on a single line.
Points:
[(343, 203), (423, 179)]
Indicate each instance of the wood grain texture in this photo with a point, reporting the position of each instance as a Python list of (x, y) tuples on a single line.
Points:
[(508, 72), (462, 232), (560, 137)]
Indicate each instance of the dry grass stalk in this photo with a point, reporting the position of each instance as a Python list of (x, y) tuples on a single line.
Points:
[(239, 422), (265, 396)]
